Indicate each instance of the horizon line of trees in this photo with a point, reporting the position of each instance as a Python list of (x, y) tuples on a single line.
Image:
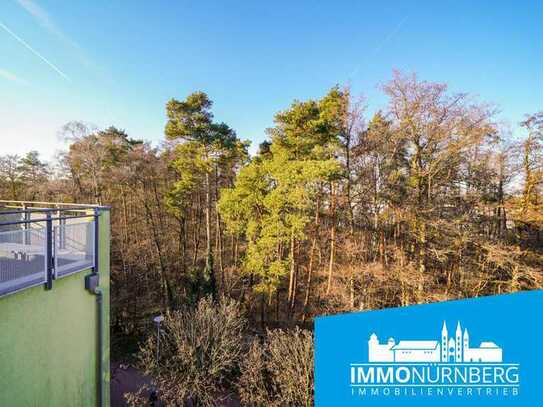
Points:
[(426, 200)]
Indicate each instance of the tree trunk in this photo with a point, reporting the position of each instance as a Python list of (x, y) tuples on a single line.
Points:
[(163, 272), (311, 258), (292, 268), (332, 237), (196, 230), (218, 242), (209, 254)]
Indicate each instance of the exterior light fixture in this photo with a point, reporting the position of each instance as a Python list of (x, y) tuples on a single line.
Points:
[(157, 320)]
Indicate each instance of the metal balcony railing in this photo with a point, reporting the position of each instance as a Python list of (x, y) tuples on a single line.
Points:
[(74, 248), (22, 263), (39, 245)]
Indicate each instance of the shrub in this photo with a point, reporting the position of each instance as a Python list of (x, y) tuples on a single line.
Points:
[(279, 370), (200, 353), (254, 386)]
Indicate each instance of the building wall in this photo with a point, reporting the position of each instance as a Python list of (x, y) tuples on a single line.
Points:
[(380, 353), (482, 355), (48, 340), (417, 355)]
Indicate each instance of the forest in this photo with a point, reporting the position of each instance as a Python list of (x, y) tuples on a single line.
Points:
[(429, 199)]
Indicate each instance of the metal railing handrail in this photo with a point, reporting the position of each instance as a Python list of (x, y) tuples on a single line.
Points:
[(54, 205), (39, 210), (52, 266), (23, 221)]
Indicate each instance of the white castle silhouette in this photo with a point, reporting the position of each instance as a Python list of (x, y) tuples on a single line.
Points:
[(450, 350)]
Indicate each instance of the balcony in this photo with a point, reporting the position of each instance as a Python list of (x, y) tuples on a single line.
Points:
[(41, 244), (54, 304)]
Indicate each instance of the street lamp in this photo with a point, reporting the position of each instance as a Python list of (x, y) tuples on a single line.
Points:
[(157, 320)]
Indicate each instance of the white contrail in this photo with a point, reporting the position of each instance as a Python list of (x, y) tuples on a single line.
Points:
[(10, 76), (43, 18), (21, 41), (380, 46), (390, 35)]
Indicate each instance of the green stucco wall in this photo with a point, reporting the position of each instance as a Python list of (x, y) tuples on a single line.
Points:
[(48, 340)]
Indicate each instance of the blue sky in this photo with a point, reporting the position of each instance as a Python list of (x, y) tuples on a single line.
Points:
[(118, 62)]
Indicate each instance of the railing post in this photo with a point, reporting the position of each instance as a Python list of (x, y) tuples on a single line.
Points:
[(26, 215), (96, 240), (49, 251), (61, 231)]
